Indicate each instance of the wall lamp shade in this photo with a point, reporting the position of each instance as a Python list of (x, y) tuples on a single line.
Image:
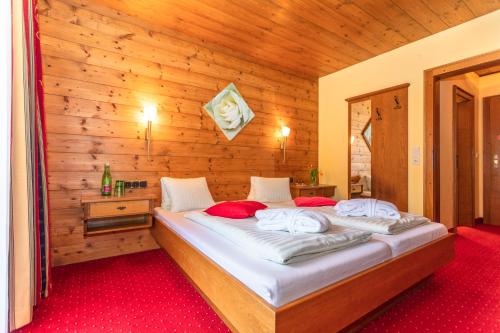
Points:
[(150, 112), (149, 116), (285, 132)]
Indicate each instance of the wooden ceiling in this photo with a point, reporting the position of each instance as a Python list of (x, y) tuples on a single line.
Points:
[(311, 38)]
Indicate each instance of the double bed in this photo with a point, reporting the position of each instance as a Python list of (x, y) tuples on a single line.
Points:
[(325, 293)]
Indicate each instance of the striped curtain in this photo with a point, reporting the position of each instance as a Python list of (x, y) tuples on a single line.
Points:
[(39, 144), (30, 252)]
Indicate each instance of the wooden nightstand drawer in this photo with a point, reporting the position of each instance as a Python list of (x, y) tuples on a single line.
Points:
[(301, 190), (356, 188), (118, 208), (310, 193), (328, 191)]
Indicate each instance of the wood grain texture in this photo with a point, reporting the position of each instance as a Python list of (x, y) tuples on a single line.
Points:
[(101, 65), (463, 150), (390, 147), (491, 153), (310, 38)]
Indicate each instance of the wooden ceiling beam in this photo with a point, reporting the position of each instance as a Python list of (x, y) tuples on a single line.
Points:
[(351, 22), (302, 38), (481, 7), (451, 12), (421, 13), (344, 48), (390, 14), (263, 29)]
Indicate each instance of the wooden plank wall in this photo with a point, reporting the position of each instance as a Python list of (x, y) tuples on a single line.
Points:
[(100, 69)]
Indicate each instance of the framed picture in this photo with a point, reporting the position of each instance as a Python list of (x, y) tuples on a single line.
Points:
[(229, 111)]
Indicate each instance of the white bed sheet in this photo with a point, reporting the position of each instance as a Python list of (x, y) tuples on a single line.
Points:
[(411, 239), (275, 283)]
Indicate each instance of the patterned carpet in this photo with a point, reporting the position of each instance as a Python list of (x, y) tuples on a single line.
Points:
[(463, 296), (145, 292)]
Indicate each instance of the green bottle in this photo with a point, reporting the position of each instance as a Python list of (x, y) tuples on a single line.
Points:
[(106, 181)]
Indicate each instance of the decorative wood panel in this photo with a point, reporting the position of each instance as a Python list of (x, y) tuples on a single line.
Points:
[(101, 66), (309, 37), (390, 146)]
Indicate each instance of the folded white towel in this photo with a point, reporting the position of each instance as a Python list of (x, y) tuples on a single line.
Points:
[(293, 220), (367, 207)]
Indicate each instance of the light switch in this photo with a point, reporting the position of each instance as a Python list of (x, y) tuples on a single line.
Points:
[(415, 156)]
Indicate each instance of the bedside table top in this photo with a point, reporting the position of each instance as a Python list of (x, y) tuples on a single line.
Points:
[(310, 186), (127, 197)]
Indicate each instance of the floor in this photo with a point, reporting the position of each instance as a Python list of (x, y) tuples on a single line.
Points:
[(145, 292)]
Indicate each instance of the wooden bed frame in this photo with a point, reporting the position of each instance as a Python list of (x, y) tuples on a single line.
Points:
[(329, 309)]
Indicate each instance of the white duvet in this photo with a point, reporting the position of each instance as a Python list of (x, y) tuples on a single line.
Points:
[(278, 246)]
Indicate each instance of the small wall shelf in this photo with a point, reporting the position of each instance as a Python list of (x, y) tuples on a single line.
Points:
[(115, 214)]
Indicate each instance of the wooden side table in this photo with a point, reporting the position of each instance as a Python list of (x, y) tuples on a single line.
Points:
[(304, 190), (356, 188), (111, 214)]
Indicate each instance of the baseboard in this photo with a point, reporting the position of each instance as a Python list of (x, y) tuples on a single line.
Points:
[(478, 220)]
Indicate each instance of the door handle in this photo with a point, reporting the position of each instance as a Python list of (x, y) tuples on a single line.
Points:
[(121, 207), (495, 161)]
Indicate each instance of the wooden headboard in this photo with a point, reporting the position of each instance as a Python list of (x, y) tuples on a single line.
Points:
[(99, 69)]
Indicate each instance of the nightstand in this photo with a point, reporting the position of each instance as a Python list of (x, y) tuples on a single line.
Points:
[(304, 190), (356, 190), (111, 214)]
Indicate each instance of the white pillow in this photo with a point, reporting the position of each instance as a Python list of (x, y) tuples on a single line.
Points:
[(269, 189), (165, 199), (183, 194)]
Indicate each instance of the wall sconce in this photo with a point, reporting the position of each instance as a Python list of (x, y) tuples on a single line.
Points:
[(149, 117), (285, 132)]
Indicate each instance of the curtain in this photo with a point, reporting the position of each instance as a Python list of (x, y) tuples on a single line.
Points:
[(39, 148), (5, 153), (30, 252)]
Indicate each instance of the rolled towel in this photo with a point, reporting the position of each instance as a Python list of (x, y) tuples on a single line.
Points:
[(293, 220), (367, 207)]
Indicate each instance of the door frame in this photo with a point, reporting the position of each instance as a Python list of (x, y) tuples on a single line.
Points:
[(356, 99), (486, 162), (460, 91), (432, 77)]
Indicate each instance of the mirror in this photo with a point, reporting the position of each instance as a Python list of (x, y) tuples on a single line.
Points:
[(361, 141), (366, 133)]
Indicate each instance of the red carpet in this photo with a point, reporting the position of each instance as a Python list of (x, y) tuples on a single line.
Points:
[(142, 292), (145, 292), (463, 296)]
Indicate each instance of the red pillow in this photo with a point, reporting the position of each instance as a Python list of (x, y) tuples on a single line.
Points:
[(235, 209), (314, 201)]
